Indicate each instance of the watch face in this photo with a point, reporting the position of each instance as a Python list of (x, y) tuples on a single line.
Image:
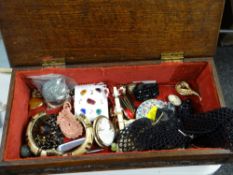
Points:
[(104, 131)]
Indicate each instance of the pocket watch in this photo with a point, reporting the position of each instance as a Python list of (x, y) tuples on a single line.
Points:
[(104, 132)]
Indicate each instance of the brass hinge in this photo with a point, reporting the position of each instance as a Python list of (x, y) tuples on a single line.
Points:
[(172, 56), (53, 62)]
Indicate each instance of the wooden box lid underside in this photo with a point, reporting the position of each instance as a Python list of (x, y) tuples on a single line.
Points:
[(86, 31)]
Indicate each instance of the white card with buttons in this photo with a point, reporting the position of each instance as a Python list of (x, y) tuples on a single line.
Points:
[(91, 100)]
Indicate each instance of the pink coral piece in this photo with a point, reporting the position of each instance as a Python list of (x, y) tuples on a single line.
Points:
[(69, 126)]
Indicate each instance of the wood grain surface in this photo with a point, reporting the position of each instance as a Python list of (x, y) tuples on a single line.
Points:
[(87, 31)]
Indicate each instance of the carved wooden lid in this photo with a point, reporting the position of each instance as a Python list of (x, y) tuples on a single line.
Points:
[(90, 31)]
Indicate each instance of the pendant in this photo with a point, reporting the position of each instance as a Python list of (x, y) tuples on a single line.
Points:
[(68, 124)]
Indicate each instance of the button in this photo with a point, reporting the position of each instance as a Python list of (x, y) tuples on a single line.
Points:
[(174, 99)]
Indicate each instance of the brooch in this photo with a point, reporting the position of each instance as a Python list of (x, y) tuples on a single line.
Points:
[(184, 89)]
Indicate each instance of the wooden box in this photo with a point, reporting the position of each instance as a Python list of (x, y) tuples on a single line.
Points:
[(116, 41)]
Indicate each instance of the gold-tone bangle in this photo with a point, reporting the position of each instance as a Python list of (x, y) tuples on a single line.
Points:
[(89, 137), (31, 143)]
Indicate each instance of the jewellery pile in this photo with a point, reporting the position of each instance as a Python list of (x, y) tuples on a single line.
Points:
[(91, 118)]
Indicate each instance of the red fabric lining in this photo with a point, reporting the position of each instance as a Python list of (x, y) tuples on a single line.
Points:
[(207, 90), (198, 74)]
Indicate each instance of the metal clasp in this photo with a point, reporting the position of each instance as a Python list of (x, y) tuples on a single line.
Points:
[(172, 56), (53, 62)]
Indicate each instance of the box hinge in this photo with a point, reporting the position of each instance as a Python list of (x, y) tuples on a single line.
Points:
[(53, 62), (172, 56)]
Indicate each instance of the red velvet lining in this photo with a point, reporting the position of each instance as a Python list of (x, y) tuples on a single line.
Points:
[(210, 99), (198, 74)]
